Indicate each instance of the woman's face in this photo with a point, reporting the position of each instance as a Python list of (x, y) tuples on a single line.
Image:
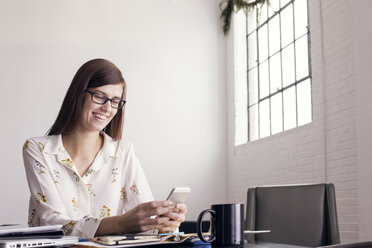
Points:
[(95, 117)]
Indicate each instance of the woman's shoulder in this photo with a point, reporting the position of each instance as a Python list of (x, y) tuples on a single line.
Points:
[(43, 138), (40, 141), (126, 147), (117, 147)]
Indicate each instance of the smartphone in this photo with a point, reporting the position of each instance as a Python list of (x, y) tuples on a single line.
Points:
[(179, 194)]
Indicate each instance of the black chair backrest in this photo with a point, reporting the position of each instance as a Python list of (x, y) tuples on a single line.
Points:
[(296, 214)]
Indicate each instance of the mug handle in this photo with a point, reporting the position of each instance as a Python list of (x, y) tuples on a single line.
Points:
[(199, 225)]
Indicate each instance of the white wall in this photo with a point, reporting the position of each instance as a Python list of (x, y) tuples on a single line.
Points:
[(363, 62), (335, 147), (172, 55)]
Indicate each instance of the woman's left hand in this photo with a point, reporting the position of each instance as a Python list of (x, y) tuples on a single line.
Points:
[(173, 219)]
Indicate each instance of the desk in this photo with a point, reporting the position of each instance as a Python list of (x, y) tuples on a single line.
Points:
[(246, 245), (270, 245), (180, 245)]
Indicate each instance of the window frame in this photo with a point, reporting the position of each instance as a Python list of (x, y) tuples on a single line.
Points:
[(259, 63)]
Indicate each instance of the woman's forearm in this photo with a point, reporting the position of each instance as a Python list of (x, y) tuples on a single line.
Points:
[(110, 225)]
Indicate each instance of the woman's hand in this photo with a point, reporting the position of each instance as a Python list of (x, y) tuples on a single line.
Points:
[(173, 219), (140, 219)]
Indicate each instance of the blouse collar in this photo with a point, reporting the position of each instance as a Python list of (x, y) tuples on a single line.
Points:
[(110, 148)]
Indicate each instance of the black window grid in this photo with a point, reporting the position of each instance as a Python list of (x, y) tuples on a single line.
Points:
[(296, 82)]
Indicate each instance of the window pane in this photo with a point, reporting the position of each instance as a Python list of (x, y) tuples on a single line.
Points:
[(262, 13), (275, 73), (304, 102), (302, 60), (278, 58), (273, 7), (274, 35), (264, 118), (284, 2), (300, 8), (276, 114), (251, 21), (252, 50), (288, 65), (262, 43), (287, 25), (289, 98), (253, 123), (253, 86), (264, 80)]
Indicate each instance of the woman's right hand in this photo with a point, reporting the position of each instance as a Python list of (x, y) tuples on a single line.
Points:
[(138, 219)]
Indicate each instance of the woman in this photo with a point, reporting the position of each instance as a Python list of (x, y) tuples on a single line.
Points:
[(87, 179)]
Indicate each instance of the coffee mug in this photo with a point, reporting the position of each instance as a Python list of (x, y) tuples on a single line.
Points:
[(227, 224)]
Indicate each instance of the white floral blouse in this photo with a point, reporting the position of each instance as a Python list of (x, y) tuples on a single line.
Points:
[(114, 184)]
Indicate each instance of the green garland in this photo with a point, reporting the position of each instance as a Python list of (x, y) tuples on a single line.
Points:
[(228, 6)]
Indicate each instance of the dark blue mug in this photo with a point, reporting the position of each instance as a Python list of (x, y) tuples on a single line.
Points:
[(227, 225)]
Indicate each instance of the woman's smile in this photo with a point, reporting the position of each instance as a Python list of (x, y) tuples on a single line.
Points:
[(100, 117)]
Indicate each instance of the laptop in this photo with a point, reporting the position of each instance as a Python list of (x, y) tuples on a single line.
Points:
[(14, 231), (44, 242), (18, 236)]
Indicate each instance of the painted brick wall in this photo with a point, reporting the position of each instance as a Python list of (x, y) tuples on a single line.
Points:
[(325, 149), (340, 111)]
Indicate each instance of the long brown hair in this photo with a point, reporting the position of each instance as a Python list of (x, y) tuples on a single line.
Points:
[(94, 73)]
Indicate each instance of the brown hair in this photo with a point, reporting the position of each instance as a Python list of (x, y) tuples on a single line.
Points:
[(92, 74)]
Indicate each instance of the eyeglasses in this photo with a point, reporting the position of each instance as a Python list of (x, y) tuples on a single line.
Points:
[(100, 98)]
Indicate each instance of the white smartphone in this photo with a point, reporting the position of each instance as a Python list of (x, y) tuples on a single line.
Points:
[(179, 194)]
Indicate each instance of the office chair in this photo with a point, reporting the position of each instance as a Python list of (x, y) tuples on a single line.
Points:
[(296, 214)]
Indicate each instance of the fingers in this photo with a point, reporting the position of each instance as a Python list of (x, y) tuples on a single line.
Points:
[(156, 208), (167, 229), (154, 205), (162, 224), (179, 213), (140, 218), (180, 217), (182, 207), (175, 218), (157, 223), (169, 226)]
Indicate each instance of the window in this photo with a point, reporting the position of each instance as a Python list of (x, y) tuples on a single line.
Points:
[(278, 68)]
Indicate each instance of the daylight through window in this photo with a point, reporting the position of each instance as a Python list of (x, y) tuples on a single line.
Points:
[(279, 71)]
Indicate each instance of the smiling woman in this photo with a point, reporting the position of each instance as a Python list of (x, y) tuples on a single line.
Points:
[(96, 113), (93, 74), (81, 175)]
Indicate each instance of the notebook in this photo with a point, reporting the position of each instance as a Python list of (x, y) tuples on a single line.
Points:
[(127, 239), (135, 240)]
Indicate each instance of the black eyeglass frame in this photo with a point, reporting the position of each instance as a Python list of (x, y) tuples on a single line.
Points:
[(121, 102)]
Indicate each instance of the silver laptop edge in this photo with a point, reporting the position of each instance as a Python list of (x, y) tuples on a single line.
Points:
[(24, 243)]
